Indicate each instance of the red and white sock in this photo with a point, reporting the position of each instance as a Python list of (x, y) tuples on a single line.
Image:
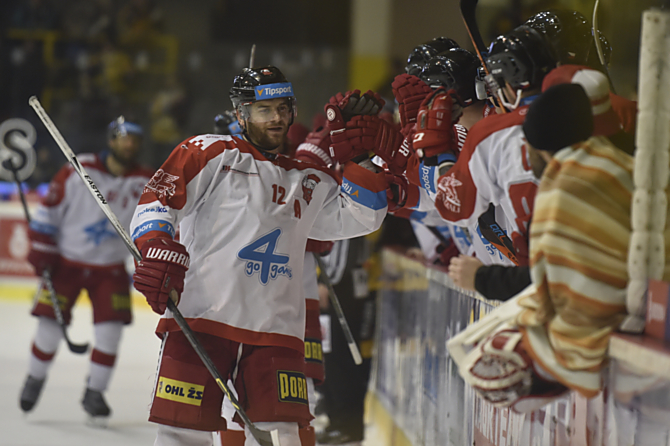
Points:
[(103, 356), (45, 345)]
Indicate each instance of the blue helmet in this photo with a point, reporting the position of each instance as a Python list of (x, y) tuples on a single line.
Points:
[(121, 127)]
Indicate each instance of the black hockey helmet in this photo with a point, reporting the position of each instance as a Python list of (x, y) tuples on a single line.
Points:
[(521, 58), (454, 69), (422, 54), (122, 127), (571, 35), (226, 124), (593, 60), (247, 89)]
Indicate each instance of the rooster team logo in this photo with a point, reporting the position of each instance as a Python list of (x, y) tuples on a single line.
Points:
[(309, 182), (447, 188), (162, 184)]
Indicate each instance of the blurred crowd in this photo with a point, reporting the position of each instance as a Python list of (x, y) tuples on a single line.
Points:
[(94, 59)]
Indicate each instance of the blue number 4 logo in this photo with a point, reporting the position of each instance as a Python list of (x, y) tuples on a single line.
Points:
[(261, 258)]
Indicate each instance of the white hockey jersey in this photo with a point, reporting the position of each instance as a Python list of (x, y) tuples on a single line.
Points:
[(467, 238), (493, 167), (245, 220), (71, 216)]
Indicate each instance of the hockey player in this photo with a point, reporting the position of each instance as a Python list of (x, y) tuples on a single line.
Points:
[(245, 213), (314, 366), (72, 238), (493, 165)]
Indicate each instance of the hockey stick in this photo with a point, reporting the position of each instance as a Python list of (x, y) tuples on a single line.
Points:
[(494, 234), (599, 47), (252, 56), (263, 437), (46, 275), (353, 347), (468, 8)]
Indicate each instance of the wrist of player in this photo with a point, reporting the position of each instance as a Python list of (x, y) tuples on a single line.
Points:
[(313, 154)]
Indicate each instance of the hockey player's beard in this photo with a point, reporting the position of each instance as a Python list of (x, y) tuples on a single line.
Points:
[(123, 159), (260, 136)]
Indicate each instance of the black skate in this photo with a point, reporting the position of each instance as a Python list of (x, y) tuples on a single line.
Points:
[(95, 405), (31, 393)]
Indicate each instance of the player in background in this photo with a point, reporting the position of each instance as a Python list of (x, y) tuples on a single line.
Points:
[(245, 213), (72, 238)]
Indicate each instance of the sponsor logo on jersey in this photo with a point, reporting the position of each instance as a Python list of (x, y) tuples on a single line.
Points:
[(99, 232), (154, 209), (153, 225), (313, 350), (291, 387), (260, 258), (272, 91), (448, 185), (162, 184), (309, 183), (427, 178), (179, 391)]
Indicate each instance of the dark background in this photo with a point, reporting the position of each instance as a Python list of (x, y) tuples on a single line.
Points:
[(169, 64)]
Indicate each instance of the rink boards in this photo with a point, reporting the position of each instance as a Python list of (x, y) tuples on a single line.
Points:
[(417, 386)]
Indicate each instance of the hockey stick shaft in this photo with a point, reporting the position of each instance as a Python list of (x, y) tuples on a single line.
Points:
[(263, 437), (46, 280), (468, 8), (353, 347), (599, 46)]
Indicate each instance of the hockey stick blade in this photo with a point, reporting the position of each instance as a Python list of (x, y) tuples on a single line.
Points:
[(263, 437), (353, 347)]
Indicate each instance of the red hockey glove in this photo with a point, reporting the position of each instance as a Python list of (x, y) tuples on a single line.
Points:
[(315, 148), (43, 253), (396, 193), (384, 140), (318, 247), (163, 267), (409, 91), (352, 103), (435, 125)]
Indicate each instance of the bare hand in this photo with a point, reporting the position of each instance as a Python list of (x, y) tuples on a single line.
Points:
[(462, 270)]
